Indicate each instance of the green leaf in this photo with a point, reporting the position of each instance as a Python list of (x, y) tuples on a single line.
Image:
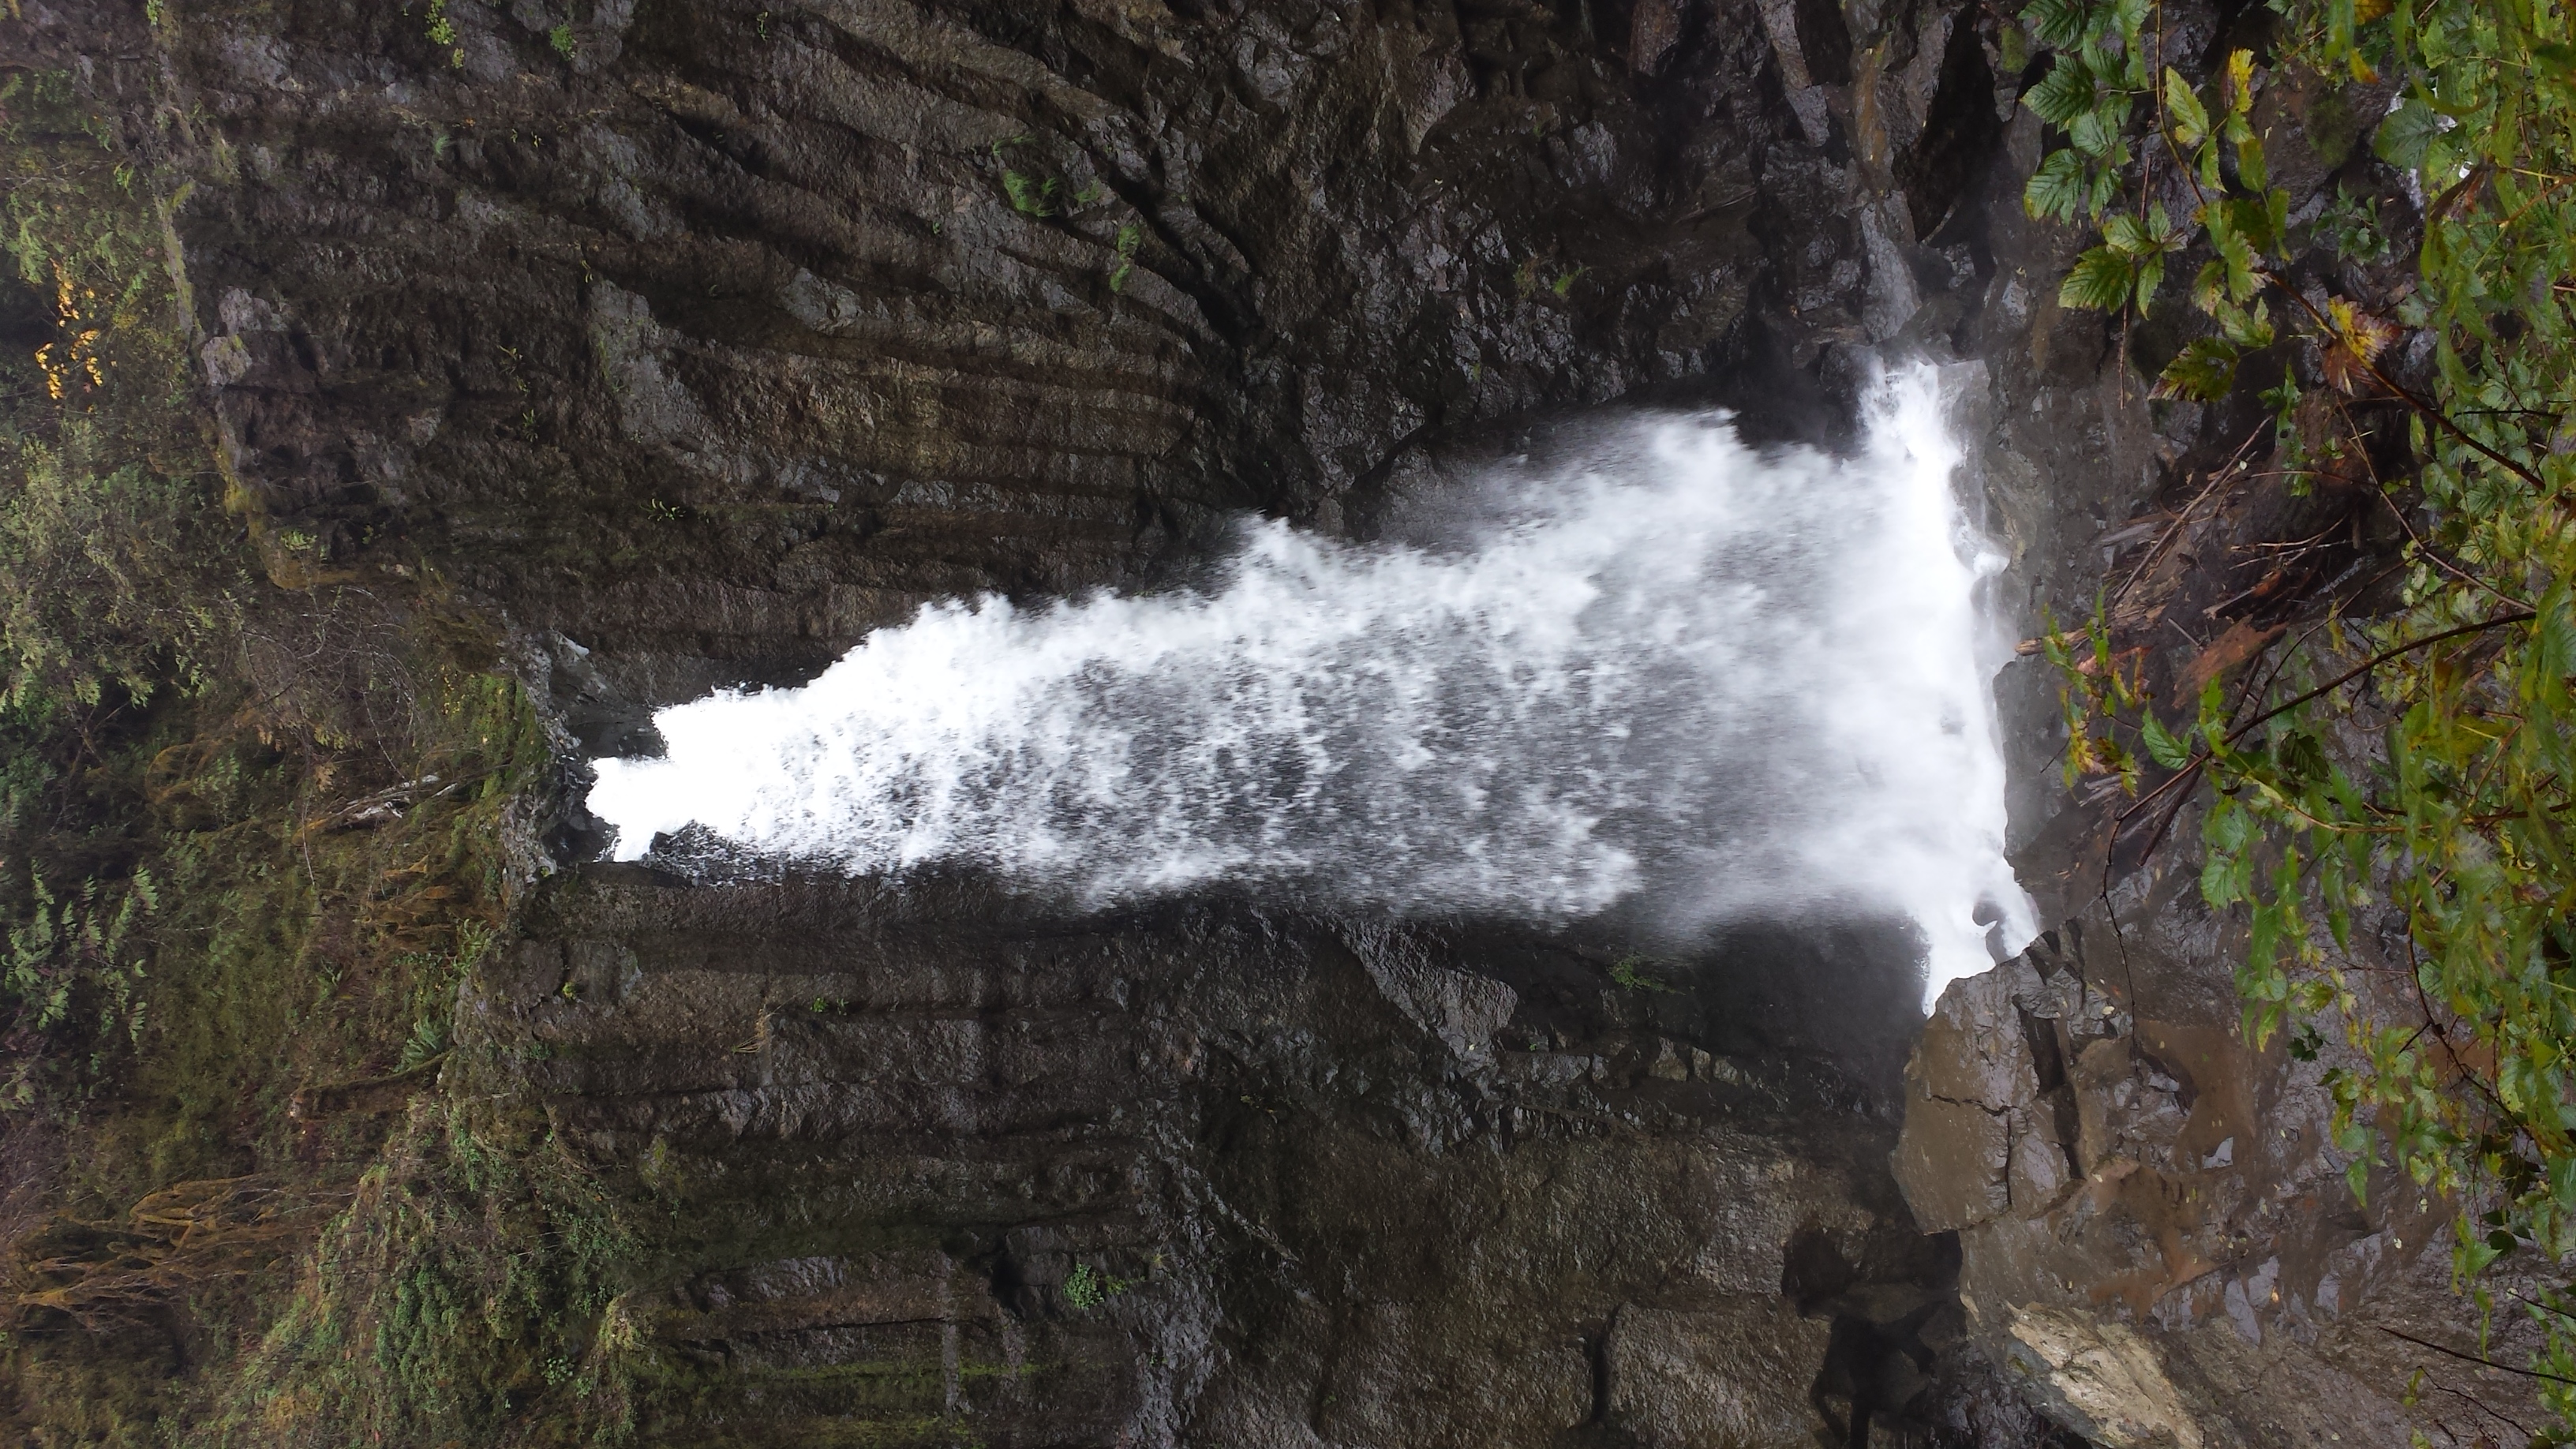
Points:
[(2151, 275), (2100, 281), (2058, 189), (2126, 235), (2236, 276), (2104, 182), (2406, 132), (2339, 26), (2209, 286), (2130, 16), (2251, 169), (2096, 132), (2203, 371), (2190, 119), (2064, 94), (2057, 24), (2272, 234), (2162, 747), (2248, 328), (2476, 1255)]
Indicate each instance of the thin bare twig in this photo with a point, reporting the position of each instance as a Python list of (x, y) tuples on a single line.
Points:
[(2220, 475), (2520, 616), (2473, 1358)]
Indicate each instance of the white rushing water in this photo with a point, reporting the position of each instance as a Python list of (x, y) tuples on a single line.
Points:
[(1704, 682)]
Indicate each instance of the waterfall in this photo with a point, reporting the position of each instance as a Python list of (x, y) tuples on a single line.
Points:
[(1701, 680)]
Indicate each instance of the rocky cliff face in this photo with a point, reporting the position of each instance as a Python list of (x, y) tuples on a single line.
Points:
[(2156, 1238), (694, 341)]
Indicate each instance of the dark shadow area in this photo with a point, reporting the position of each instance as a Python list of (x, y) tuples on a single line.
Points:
[(1960, 133)]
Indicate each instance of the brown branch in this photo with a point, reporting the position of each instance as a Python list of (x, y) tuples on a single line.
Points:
[(2473, 1358), (2445, 565), (2189, 768), (2174, 529), (2408, 395), (2478, 1404), (2520, 616), (2280, 661), (2396, 389), (2202, 758)]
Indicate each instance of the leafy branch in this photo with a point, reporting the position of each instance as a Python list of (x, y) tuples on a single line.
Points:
[(2447, 811)]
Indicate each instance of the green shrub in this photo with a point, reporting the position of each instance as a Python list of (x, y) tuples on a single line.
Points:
[(2463, 1078), (253, 834), (473, 1275)]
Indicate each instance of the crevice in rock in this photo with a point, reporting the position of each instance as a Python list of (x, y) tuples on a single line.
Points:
[(1961, 132), (1824, 40)]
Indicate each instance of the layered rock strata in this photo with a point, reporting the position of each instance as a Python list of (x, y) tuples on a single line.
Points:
[(695, 341)]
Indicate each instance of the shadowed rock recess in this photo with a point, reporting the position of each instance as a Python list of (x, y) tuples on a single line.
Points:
[(693, 341)]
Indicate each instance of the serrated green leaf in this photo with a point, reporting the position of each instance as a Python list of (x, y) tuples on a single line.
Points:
[(2058, 189), (2476, 1255), (2183, 110), (2105, 180), (2215, 882), (2405, 133), (2249, 328), (2100, 280), (2064, 94), (2130, 17), (2162, 747), (2058, 24), (2096, 132), (2133, 68), (2209, 286), (2235, 255), (2203, 371), (2151, 275), (2126, 235), (2252, 171)]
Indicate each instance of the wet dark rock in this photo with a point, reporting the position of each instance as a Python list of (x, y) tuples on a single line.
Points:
[(2155, 1237), (698, 352), (1372, 1185), (2157, 1244)]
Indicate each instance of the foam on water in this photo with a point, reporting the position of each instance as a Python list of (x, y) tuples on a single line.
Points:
[(1688, 676)]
